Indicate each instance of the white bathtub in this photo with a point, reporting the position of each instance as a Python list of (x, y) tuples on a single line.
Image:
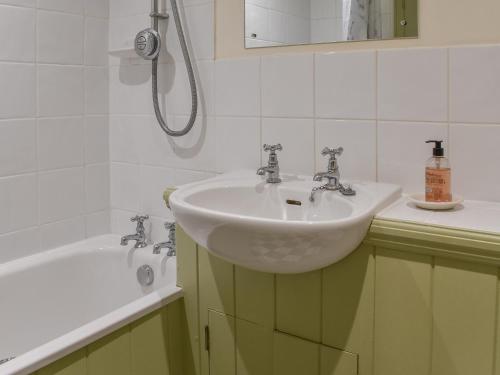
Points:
[(60, 300)]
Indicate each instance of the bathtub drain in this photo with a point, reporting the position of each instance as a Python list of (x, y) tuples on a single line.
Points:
[(5, 360)]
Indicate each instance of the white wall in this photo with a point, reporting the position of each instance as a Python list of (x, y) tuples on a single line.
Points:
[(54, 175)]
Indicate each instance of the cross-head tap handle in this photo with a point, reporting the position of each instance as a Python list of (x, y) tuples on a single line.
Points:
[(273, 148), (332, 152), (139, 219)]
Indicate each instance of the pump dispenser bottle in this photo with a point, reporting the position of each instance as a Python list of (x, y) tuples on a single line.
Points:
[(437, 175)]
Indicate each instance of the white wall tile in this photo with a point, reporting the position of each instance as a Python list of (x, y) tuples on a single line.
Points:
[(297, 138), (155, 181), (150, 137), (195, 150), (475, 84), (413, 84), (96, 90), (359, 140), (474, 160), (402, 152), (61, 194), (60, 38), (96, 41), (287, 86), (238, 143), (98, 223), (122, 8), (346, 85), (22, 46), (22, 3), (199, 29), (70, 6), (19, 244), (97, 8), (122, 31), (97, 187), (125, 143), (18, 203), (237, 88), (130, 89), (18, 93), (125, 186), (17, 147), (60, 90), (62, 232), (96, 139), (60, 143)]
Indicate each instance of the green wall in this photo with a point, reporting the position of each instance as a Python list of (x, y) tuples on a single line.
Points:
[(412, 300), (152, 345)]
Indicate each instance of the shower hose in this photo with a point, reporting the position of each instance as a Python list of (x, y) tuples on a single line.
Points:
[(192, 81)]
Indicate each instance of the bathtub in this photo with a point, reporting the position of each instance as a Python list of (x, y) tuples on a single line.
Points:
[(58, 301)]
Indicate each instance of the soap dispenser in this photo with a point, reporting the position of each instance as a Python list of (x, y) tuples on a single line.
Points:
[(437, 175)]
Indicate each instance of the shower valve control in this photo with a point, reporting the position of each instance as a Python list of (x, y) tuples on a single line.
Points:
[(147, 44)]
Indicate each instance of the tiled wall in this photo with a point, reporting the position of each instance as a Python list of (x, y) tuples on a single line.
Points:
[(379, 105), (54, 174), (277, 22)]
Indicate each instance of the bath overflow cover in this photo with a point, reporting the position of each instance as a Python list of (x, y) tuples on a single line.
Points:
[(145, 275)]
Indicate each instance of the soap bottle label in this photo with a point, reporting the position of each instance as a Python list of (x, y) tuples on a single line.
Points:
[(438, 184)]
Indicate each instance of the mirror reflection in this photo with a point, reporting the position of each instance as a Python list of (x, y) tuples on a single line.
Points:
[(290, 22)]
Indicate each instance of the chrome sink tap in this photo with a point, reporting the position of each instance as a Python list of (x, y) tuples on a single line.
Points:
[(140, 236), (170, 244), (332, 175), (272, 169)]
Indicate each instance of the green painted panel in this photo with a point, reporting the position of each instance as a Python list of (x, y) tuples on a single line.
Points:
[(402, 313), (73, 364), (348, 302), (216, 292), (216, 283), (254, 349), (293, 356), (254, 296), (338, 362), (464, 318), (298, 304), (222, 344), (149, 344), (111, 354), (187, 264), (180, 363)]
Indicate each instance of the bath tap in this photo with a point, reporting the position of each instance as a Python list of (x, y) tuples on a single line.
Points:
[(272, 169), (170, 244), (332, 175), (140, 236)]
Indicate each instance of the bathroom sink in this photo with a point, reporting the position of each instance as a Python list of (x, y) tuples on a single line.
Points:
[(275, 227)]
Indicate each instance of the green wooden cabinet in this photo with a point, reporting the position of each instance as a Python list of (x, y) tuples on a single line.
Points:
[(412, 299)]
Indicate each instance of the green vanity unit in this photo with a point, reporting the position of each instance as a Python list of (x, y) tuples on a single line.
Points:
[(411, 300)]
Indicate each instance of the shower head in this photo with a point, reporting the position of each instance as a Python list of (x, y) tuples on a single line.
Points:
[(147, 44)]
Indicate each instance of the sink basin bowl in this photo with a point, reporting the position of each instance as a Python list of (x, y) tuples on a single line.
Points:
[(274, 227)]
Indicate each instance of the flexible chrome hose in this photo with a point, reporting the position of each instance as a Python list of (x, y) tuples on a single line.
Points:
[(192, 81)]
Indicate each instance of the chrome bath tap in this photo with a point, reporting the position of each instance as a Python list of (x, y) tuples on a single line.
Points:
[(140, 236), (272, 169), (170, 244), (332, 175)]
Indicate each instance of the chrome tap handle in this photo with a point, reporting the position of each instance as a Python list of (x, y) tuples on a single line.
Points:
[(170, 227), (332, 152), (273, 148), (139, 219)]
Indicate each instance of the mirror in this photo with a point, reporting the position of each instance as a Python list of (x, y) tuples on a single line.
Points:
[(291, 22)]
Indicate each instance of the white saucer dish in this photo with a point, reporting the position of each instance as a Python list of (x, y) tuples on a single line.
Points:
[(419, 200)]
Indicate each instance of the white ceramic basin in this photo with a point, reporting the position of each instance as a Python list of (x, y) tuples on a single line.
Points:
[(274, 227)]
